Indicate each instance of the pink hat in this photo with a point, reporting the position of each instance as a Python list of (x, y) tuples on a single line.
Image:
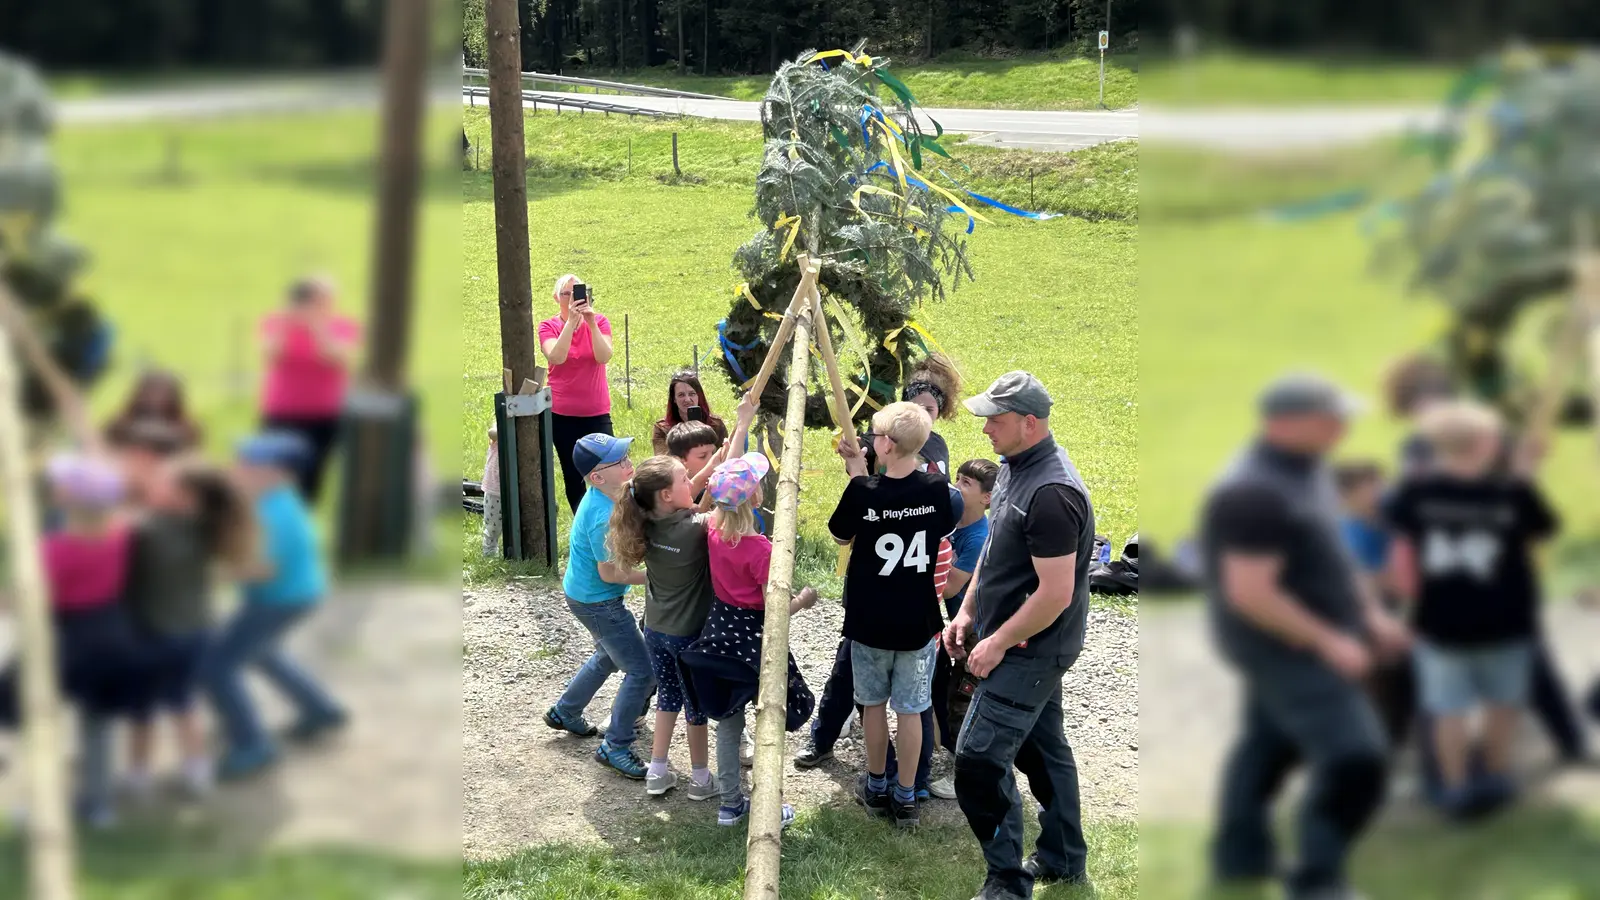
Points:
[(737, 480)]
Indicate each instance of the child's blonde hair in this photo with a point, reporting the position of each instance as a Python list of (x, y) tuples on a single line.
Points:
[(625, 537), (905, 424), (1455, 428), (734, 524)]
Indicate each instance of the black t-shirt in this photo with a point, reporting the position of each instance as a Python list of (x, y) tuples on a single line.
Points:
[(1054, 522), (1472, 541), (896, 524)]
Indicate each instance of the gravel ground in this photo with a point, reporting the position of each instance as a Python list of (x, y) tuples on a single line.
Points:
[(1189, 704), (525, 784)]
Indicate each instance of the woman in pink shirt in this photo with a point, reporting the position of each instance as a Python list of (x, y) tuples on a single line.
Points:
[(309, 350), (577, 344)]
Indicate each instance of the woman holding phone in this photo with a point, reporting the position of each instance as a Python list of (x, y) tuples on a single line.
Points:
[(577, 344), (686, 402), (310, 349)]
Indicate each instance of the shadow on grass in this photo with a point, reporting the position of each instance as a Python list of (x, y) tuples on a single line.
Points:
[(1541, 852), (166, 861), (833, 852), (359, 177)]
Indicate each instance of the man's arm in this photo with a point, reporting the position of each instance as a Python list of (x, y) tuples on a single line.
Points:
[(958, 579), (1057, 581), (1250, 587)]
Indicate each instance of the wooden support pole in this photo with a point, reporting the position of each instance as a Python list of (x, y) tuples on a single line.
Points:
[(841, 404), (797, 306), (50, 845), (763, 851), (1582, 320)]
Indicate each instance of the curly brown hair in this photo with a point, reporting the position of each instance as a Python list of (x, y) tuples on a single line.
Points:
[(1413, 379), (938, 370)]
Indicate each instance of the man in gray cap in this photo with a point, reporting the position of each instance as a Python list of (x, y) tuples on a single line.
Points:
[(1290, 615), (1020, 628)]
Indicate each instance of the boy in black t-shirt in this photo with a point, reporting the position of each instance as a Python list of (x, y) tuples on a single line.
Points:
[(895, 520), (1465, 535)]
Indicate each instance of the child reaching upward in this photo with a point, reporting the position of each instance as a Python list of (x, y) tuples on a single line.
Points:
[(194, 518), (723, 665), (658, 526)]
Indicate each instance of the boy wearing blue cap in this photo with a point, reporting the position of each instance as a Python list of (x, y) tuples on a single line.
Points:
[(595, 586), (291, 583)]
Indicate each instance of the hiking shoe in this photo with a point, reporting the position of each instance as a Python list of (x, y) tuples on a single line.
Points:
[(811, 757), (995, 892), (577, 725), (1495, 791), (623, 759), (656, 785), (923, 795), (707, 790), (944, 788), (729, 816), (310, 728), (877, 804), (905, 815)]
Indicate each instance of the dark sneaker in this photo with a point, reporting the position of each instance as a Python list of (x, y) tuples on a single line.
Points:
[(995, 892), (905, 814), (811, 757), (876, 804), (1042, 875), (237, 764), (623, 759), (577, 725)]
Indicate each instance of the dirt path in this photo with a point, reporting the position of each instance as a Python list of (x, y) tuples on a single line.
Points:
[(1188, 702), (525, 784), (390, 653)]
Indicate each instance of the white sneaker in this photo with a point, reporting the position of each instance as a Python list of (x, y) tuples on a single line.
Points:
[(747, 749), (851, 723), (944, 788)]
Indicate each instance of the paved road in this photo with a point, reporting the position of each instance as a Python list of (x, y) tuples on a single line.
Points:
[(1239, 129), (1015, 129)]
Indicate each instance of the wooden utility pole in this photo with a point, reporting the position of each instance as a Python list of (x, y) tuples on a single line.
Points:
[(50, 845), (518, 340), (763, 851), (381, 417)]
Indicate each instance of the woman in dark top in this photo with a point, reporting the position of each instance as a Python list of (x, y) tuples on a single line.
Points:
[(684, 395), (935, 385)]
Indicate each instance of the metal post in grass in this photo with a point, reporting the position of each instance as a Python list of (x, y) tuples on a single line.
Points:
[(675, 169), (630, 156), (627, 359), (1031, 203), (694, 361)]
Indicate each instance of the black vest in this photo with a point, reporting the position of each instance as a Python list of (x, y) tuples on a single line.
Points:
[(1006, 577)]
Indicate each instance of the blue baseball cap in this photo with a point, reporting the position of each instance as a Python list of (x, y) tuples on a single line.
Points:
[(595, 450), (283, 449)]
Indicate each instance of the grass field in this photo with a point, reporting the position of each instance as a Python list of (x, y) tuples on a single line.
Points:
[(829, 854), (186, 267), (174, 866), (661, 253), (1229, 298), (1224, 77), (1057, 80)]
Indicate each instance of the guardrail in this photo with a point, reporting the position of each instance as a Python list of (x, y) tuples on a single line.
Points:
[(619, 87), (576, 101)]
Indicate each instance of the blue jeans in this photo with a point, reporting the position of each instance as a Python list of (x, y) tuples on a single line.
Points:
[(255, 637), (618, 646)]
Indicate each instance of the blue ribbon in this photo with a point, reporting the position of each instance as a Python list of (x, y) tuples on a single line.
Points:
[(988, 201), (729, 346)]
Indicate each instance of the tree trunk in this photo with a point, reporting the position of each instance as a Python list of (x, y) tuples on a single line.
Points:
[(680, 38), (622, 31), (518, 341), (50, 844), (705, 41), (763, 851)]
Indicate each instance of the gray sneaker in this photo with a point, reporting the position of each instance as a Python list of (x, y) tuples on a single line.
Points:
[(656, 785), (707, 791), (944, 788)]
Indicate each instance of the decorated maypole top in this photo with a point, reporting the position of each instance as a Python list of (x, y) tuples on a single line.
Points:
[(37, 264), (843, 179)]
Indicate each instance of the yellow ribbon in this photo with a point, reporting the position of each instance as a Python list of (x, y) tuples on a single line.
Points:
[(743, 290), (862, 60), (856, 344), (855, 199), (794, 141), (894, 153), (793, 224)]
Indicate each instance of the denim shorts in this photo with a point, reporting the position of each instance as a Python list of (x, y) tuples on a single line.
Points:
[(1451, 681), (901, 678), (670, 697)]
